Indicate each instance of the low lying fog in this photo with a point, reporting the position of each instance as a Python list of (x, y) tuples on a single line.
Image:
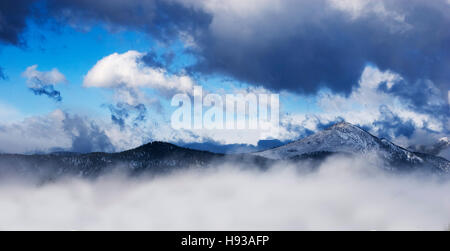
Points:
[(343, 194)]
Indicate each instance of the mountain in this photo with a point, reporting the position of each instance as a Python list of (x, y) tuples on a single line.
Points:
[(217, 147), (160, 157), (346, 138), (155, 157)]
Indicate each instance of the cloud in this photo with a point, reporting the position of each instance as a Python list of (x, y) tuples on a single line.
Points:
[(58, 131), (33, 134), (43, 83), (47, 90), (86, 135), (163, 19), (344, 194), (129, 70), (63, 131), (158, 61), (302, 46), (422, 96), (390, 125), (122, 111), (379, 98), (13, 16), (436, 148)]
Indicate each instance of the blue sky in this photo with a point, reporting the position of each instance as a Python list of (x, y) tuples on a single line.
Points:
[(326, 59)]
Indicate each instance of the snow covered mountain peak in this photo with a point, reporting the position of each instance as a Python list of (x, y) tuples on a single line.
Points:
[(341, 137), (344, 125), (349, 139), (444, 140)]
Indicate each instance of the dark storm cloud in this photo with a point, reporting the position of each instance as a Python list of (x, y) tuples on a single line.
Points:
[(423, 51), (329, 49), (86, 135), (303, 62), (120, 112), (13, 14), (163, 19)]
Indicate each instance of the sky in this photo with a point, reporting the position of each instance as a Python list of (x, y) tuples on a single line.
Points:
[(99, 75)]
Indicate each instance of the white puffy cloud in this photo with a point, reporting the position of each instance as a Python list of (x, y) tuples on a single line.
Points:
[(128, 70), (136, 86), (51, 77)]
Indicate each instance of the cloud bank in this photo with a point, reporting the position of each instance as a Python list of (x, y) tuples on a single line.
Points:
[(344, 194), (58, 131)]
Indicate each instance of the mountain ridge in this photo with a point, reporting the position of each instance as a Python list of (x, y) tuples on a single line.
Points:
[(162, 157)]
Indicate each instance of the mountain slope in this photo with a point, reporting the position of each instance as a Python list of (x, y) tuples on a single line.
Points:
[(349, 139), (155, 157)]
